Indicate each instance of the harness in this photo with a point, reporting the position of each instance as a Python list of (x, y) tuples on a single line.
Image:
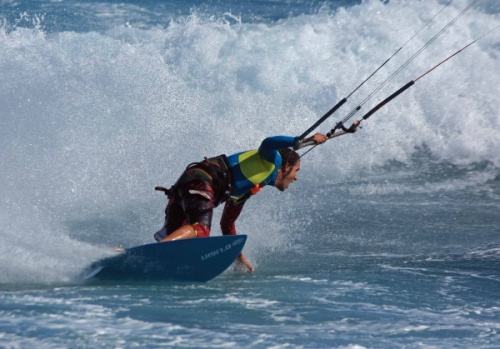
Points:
[(220, 175)]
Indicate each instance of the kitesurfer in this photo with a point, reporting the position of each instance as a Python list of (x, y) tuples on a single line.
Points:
[(230, 179)]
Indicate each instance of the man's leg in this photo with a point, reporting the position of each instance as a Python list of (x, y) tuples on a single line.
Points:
[(198, 206), (174, 219)]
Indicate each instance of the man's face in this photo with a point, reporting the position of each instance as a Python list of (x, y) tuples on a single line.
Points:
[(284, 179)]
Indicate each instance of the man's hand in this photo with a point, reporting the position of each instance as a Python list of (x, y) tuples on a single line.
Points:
[(244, 262), (319, 138)]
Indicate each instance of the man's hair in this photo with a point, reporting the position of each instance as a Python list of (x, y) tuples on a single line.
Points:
[(288, 157)]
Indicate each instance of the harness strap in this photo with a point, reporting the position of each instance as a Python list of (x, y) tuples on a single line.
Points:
[(253, 191), (167, 192), (219, 171)]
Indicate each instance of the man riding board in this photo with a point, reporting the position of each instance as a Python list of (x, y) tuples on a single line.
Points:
[(231, 179)]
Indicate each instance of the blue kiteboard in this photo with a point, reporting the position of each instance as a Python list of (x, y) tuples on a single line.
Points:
[(199, 259)]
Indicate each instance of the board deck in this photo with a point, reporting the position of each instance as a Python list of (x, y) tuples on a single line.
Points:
[(199, 259)]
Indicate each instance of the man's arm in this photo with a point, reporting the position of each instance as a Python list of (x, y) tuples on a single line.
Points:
[(230, 214), (270, 145)]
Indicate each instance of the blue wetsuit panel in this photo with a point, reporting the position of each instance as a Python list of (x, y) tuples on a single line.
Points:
[(256, 166)]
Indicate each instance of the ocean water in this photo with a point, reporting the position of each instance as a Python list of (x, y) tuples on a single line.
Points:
[(389, 239)]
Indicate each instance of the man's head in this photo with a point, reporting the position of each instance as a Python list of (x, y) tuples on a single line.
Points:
[(287, 173)]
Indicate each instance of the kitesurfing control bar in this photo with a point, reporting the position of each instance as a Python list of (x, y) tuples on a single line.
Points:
[(323, 118), (352, 129), (388, 99), (331, 134), (339, 104), (309, 143)]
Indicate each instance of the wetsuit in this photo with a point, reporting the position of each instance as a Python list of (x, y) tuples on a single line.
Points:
[(206, 184)]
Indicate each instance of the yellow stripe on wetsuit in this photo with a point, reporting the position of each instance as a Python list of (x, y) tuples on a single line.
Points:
[(255, 168)]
